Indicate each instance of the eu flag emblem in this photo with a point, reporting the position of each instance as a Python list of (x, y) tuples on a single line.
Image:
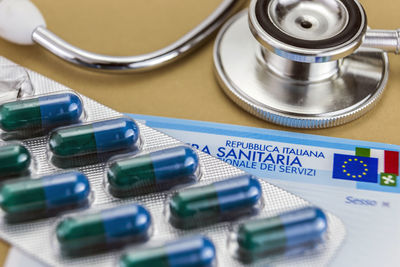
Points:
[(355, 168)]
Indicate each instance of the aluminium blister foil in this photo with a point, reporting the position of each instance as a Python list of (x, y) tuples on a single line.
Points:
[(37, 237)]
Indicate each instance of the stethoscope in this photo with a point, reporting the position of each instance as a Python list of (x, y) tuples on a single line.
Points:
[(22, 23), (298, 63)]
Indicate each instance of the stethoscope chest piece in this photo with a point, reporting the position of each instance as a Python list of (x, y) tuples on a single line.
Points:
[(304, 64)]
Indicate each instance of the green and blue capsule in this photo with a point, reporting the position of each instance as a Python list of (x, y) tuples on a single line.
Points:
[(196, 251), (155, 171), (94, 138), (15, 159), (303, 227), (110, 228), (28, 198), (41, 112), (223, 200)]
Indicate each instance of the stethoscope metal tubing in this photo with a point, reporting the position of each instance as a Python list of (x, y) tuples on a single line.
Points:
[(385, 40), (139, 63)]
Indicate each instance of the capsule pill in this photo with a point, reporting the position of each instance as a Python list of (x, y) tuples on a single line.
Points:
[(154, 171), (197, 251), (282, 232), (41, 112), (48, 193), (103, 229), (15, 159), (214, 202), (98, 137)]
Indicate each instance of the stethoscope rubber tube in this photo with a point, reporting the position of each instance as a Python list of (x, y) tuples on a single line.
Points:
[(348, 33)]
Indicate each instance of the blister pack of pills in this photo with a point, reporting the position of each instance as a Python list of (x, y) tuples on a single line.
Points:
[(82, 184)]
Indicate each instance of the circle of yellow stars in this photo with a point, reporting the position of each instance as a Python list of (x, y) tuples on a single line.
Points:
[(364, 173)]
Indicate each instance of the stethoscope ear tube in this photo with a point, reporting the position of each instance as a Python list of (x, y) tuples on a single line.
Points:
[(18, 19)]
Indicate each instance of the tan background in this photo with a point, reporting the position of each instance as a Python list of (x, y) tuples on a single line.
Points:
[(186, 89)]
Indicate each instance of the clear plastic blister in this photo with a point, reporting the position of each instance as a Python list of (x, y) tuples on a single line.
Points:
[(189, 250), (46, 196), (14, 82), (36, 237), (160, 169), (287, 234), (16, 160), (92, 142), (101, 229), (219, 201)]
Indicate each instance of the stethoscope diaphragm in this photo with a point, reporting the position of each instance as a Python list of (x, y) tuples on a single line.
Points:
[(303, 64)]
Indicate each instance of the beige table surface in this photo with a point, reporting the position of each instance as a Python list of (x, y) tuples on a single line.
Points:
[(186, 89)]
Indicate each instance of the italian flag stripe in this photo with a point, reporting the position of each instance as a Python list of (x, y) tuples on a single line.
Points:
[(392, 162), (388, 160), (363, 152), (380, 155)]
